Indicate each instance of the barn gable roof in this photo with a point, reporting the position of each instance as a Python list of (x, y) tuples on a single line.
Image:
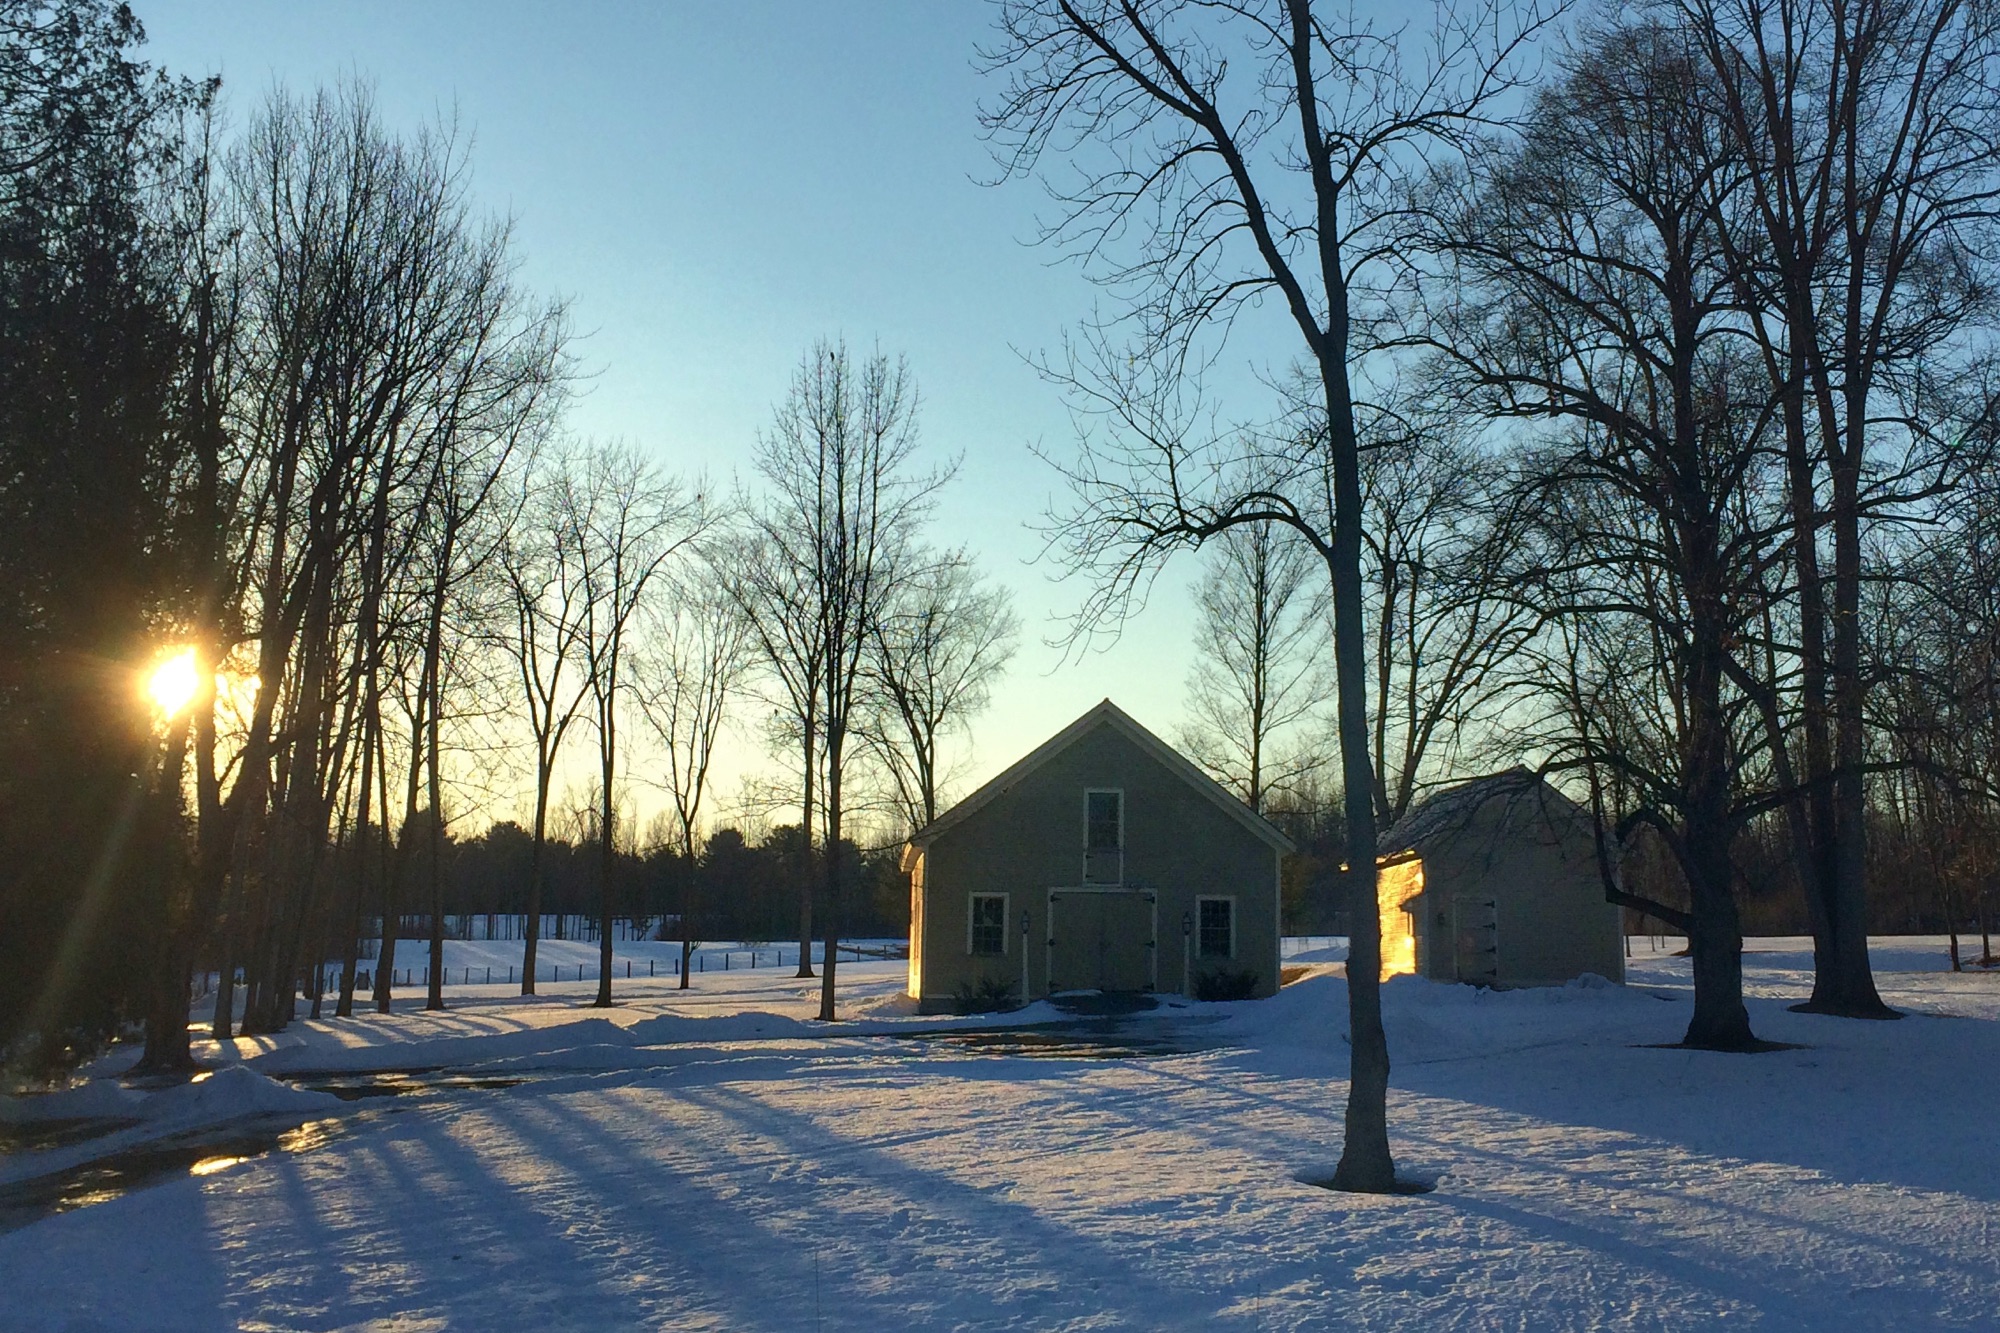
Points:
[(1452, 810), (1105, 714)]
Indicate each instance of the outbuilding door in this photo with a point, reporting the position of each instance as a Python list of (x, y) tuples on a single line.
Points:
[(1100, 940)]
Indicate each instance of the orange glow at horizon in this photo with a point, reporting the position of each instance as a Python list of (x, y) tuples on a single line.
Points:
[(1399, 887)]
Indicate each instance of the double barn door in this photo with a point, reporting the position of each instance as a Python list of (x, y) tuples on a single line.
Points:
[(1101, 939)]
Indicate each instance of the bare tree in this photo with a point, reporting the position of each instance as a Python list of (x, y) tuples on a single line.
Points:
[(774, 594), (939, 646), (1262, 628), (550, 601), (1591, 290), (375, 330), (628, 521), (1869, 138), (842, 506), (1216, 155), (696, 652)]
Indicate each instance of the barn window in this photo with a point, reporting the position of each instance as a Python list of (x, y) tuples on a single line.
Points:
[(1104, 836), (987, 928), (1105, 821), (1216, 927)]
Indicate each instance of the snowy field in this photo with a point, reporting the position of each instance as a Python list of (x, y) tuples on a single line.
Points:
[(498, 962), (716, 1160)]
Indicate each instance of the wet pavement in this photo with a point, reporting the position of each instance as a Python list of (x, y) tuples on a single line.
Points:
[(400, 1083), (1073, 1041), (116, 1174)]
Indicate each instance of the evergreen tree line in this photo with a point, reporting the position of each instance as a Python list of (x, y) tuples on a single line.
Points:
[(738, 889)]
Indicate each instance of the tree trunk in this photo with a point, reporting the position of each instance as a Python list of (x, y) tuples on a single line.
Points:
[(829, 957), (806, 861), (434, 673), (688, 890), (351, 941), (392, 883), (606, 864), (532, 929), (167, 1050), (223, 1023), (1366, 1164), (1844, 982), (1720, 1021)]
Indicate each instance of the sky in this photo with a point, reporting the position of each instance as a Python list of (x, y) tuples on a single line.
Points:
[(712, 187)]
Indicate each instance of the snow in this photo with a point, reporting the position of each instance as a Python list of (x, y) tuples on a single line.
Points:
[(233, 1093), (97, 1099), (715, 1159)]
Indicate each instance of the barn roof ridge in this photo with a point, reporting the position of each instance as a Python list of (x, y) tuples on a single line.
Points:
[(1451, 808), (1099, 714)]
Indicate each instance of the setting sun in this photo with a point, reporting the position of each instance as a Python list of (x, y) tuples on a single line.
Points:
[(172, 685)]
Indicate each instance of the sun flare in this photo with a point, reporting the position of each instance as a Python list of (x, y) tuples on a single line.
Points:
[(173, 683)]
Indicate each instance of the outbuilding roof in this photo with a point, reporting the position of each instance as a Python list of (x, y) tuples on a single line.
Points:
[(1106, 714), (1450, 811)]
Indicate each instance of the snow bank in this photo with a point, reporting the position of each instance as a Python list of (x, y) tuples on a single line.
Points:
[(236, 1093), (191, 1111), (99, 1099), (1432, 1021)]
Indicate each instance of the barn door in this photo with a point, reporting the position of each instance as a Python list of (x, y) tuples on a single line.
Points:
[(1100, 941), (1124, 951), (1475, 935), (1076, 926)]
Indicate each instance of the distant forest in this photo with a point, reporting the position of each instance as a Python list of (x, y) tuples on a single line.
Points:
[(746, 891)]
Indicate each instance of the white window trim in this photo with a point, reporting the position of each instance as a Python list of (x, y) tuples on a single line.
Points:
[(1089, 792), (1006, 915), (1229, 898)]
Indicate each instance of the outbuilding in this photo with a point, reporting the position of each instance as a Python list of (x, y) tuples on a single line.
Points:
[(1103, 860), (1496, 882)]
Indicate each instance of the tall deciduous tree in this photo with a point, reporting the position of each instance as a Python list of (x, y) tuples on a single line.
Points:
[(1214, 155), (1592, 290), (550, 604), (844, 500), (1869, 139), (628, 520), (696, 652)]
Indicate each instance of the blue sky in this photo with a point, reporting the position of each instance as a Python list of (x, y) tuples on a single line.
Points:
[(715, 185)]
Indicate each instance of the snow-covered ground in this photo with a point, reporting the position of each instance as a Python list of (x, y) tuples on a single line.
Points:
[(714, 1160)]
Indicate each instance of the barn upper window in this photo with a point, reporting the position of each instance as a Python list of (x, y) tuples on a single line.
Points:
[(1103, 837), (1104, 821)]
